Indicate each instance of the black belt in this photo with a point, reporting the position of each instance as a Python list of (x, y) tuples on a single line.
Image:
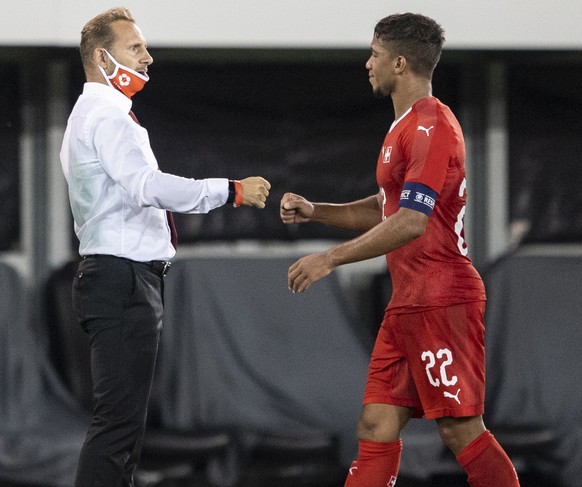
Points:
[(160, 267)]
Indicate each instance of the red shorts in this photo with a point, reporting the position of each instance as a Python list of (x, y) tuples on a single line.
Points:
[(433, 361)]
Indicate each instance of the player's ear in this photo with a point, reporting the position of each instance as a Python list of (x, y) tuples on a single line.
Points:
[(399, 64)]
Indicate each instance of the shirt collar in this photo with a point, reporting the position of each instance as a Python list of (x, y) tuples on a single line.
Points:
[(112, 95)]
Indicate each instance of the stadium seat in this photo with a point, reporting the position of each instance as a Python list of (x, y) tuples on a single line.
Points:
[(289, 461)]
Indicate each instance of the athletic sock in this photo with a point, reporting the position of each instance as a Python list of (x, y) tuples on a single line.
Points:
[(377, 465), (486, 464)]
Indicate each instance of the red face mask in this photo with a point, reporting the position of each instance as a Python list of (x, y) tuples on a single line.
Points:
[(124, 79)]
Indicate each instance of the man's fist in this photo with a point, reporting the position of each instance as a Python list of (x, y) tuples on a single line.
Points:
[(295, 209), (255, 191)]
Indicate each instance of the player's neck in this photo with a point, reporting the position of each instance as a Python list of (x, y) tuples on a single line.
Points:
[(409, 93)]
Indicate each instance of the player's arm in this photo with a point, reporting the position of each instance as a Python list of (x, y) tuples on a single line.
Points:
[(400, 228), (397, 230), (360, 215)]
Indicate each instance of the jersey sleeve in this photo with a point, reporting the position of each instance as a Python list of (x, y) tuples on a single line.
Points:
[(432, 141)]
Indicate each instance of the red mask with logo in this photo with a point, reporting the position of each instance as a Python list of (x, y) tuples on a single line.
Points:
[(124, 79)]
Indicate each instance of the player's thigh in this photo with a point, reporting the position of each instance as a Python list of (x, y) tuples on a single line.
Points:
[(389, 379)]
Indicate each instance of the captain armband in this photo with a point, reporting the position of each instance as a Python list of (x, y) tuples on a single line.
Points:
[(417, 196)]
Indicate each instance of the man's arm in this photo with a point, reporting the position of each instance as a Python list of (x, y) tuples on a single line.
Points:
[(397, 230), (360, 215)]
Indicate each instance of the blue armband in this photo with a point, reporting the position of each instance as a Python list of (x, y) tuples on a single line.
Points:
[(419, 197)]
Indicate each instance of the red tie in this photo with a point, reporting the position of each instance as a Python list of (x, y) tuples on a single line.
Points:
[(169, 215)]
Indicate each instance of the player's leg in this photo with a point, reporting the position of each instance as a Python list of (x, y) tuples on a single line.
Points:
[(389, 402), (379, 445), (457, 433), (477, 451), (383, 422), (447, 360)]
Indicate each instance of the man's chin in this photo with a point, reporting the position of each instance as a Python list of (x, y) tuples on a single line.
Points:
[(379, 94)]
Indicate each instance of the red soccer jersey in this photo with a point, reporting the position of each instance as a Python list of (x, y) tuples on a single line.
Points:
[(425, 147)]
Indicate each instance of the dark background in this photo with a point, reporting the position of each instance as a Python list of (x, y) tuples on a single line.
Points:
[(308, 122)]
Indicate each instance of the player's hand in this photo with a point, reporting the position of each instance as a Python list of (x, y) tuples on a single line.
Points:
[(295, 209), (308, 270), (255, 191)]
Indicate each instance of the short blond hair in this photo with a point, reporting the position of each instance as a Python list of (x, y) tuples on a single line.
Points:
[(98, 33)]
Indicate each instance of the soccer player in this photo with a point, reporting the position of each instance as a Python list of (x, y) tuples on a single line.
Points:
[(429, 356)]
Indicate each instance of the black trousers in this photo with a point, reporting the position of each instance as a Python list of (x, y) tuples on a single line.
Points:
[(119, 303)]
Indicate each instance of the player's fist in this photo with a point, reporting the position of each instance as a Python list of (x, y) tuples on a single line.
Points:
[(255, 191), (295, 209)]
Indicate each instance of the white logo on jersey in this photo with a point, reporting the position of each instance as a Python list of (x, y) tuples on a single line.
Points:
[(453, 396), (427, 130), (386, 151), (459, 230), (353, 468), (392, 482)]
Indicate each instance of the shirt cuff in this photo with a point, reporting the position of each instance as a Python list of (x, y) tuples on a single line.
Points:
[(218, 187)]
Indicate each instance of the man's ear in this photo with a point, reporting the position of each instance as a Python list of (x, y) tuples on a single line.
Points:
[(399, 64), (99, 58)]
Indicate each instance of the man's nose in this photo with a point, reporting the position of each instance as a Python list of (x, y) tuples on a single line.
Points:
[(148, 58)]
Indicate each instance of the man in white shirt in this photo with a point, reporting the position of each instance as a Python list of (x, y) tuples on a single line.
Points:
[(121, 204)]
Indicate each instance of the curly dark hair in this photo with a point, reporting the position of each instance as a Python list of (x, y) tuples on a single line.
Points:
[(418, 38)]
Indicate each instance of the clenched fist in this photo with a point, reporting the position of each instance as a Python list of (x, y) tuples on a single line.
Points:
[(255, 191), (295, 209)]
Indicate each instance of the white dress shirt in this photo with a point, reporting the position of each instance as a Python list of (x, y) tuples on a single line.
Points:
[(118, 196)]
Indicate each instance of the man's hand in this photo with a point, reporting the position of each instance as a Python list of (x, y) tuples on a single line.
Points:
[(308, 270), (295, 209), (255, 191)]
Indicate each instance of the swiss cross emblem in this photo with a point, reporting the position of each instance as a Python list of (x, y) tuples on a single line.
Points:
[(386, 151)]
